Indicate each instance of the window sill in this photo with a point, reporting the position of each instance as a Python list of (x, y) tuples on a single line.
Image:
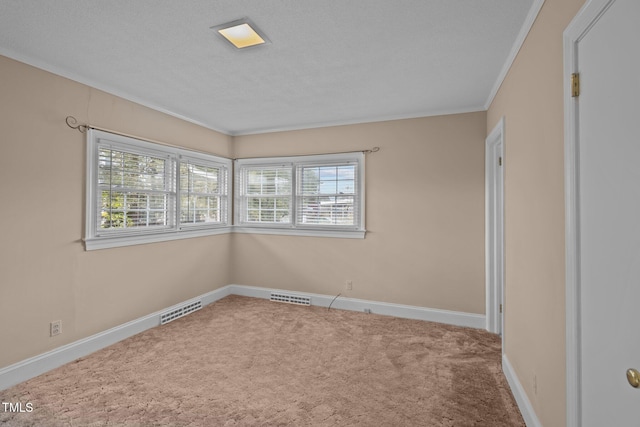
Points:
[(340, 234), (140, 239)]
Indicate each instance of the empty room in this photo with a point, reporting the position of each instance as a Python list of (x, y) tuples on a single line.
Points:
[(315, 213)]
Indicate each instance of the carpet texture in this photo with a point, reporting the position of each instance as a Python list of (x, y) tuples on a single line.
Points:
[(245, 361)]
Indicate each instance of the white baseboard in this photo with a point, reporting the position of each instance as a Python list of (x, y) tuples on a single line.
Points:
[(37, 365), (388, 309), (524, 404), (34, 366)]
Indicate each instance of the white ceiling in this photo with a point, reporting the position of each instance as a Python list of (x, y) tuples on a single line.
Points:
[(329, 61)]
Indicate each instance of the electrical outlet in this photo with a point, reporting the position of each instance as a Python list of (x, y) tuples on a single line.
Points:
[(349, 285), (55, 328)]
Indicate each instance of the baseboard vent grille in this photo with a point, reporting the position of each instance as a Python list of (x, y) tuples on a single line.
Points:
[(291, 299), (180, 312)]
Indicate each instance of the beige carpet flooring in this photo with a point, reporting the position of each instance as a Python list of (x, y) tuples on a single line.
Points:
[(245, 361)]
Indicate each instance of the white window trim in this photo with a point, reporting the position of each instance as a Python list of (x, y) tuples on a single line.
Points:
[(136, 237), (279, 230), (212, 161), (352, 232), (237, 202)]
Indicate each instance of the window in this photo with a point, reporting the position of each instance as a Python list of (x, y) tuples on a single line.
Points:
[(306, 195), (327, 195), (140, 192), (267, 194), (203, 191)]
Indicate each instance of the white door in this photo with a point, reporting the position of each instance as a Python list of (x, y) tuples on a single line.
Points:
[(607, 215)]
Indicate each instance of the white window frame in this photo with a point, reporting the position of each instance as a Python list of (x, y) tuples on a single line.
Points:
[(240, 202), (356, 231), (198, 159), (102, 239)]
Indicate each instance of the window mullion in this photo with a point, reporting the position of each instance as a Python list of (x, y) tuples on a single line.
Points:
[(293, 198), (178, 183), (171, 188)]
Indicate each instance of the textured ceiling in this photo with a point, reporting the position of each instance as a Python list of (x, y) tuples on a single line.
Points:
[(329, 62)]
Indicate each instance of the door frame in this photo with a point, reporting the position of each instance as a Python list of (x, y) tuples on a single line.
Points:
[(584, 20), (494, 229)]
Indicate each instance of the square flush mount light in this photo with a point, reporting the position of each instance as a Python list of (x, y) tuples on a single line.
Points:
[(241, 33)]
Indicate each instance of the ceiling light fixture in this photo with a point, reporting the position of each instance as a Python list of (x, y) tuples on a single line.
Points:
[(242, 33)]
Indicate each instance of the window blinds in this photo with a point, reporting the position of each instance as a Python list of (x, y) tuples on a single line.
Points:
[(135, 190), (322, 192)]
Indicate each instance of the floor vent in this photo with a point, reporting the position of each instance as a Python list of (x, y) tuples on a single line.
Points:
[(180, 312), (291, 299)]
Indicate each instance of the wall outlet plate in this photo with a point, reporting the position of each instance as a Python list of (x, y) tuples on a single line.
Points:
[(55, 328)]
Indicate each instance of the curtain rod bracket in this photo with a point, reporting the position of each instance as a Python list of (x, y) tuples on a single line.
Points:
[(372, 150), (73, 124)]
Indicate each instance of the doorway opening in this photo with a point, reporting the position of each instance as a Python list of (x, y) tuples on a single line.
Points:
[(494, 229)]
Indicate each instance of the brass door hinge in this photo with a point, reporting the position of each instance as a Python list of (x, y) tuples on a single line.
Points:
[(575, 85), (499, 161), (500, 308)]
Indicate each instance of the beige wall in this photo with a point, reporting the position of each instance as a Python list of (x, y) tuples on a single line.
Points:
[(45, 273), (424, 216), (531, 100), (433, 258)]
